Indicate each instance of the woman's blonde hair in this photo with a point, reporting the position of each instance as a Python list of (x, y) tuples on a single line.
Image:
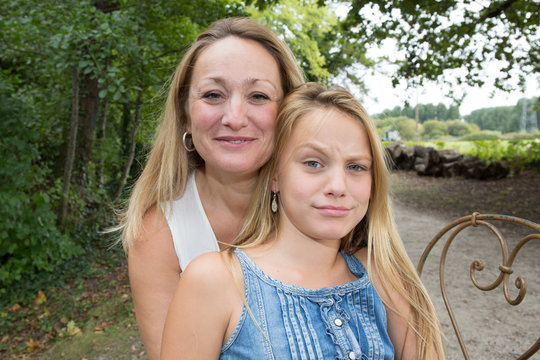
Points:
[(377, 230), (169, 164)]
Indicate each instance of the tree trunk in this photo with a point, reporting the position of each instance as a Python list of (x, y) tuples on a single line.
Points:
[(131, 154), (101, 140), (70, 154), (87, 125)]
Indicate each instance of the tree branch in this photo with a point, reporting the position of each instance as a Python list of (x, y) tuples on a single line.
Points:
[(7, 46)]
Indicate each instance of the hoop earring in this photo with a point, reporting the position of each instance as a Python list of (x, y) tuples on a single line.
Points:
[(274, 205), (188, 149)]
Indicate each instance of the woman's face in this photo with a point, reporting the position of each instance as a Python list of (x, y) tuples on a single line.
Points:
[(233, 102)]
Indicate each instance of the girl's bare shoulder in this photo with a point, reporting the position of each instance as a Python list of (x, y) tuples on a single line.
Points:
[(211, 270)]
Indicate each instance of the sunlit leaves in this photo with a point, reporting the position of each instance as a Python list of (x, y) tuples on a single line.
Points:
[(436, 36)]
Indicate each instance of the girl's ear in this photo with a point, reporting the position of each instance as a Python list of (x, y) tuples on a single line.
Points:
[(274, 185)]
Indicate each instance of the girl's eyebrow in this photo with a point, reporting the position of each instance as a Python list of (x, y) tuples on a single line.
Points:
[(320, 148)]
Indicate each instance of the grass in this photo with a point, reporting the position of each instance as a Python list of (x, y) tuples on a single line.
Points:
[(111, 333), (87, 314)]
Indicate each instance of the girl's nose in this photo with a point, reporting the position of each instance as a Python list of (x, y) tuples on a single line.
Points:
[(336, 183)]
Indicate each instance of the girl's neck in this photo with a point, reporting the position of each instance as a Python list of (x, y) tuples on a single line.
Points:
[(302, 262)]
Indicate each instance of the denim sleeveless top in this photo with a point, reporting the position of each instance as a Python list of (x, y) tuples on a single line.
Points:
[(341, 322)]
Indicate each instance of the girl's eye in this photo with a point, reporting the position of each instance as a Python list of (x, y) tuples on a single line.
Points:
[(313, 164), (355, 167)]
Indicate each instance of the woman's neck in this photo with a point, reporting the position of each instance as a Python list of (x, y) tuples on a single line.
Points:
[(232, 190), (225, 198)]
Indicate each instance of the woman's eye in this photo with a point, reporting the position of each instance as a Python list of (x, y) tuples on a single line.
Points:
[(259, 97), (212, 96), (313, 164)]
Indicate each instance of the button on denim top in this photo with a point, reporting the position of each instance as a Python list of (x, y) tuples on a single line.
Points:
[(341, 322)]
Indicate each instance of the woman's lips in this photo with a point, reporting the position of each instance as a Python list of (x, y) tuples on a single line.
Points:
[(235, 140)]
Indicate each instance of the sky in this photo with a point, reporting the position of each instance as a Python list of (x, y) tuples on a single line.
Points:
[(381, 95)]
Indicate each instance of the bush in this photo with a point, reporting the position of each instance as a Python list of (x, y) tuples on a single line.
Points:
[(483, 135), (29, 239), (522, 136), (434, 129), (458, 128), (407, 128)]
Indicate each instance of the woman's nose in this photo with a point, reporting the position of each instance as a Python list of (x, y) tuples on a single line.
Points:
[(235, 113)]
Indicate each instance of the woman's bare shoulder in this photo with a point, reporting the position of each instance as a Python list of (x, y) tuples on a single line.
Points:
[(154, 223), (154, 246)]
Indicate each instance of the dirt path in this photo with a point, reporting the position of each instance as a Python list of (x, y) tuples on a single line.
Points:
[(492, 329)]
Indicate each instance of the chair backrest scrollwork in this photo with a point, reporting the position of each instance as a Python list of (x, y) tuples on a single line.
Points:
[(505, 268)]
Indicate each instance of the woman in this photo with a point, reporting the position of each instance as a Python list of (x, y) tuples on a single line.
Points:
[(216, 133), (296, 285)]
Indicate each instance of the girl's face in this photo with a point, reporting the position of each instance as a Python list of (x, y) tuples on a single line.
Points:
[(324, 176), (233, 102)]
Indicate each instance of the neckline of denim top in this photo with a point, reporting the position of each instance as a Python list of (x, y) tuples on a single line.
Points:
[(355, 266)]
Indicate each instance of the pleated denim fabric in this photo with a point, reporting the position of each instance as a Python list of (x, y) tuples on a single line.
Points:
[(283, 321)]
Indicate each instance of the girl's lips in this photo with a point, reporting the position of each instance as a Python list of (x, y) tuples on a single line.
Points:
[(333, 210)]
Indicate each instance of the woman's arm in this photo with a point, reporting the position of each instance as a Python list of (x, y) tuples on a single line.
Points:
[(153, 274), (199, 316)]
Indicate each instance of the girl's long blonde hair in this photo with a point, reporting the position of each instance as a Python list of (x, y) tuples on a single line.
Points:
[(377, 230), (169, 164)]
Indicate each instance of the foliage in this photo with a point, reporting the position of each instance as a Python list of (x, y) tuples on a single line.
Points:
[(425, 112), (407, 129), (434, 129), (521, 154), (121, 53), (29, 238), (303, 26), (313, 33), (522, 136), (521, 117), (458, 128), (439, 36), (482, 135), (78, 303)]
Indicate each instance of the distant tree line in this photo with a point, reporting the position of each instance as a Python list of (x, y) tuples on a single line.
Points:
[(425, 112), (524, 116), (438, 121)]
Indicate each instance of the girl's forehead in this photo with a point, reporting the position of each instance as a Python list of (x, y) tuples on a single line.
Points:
[(322, 119)]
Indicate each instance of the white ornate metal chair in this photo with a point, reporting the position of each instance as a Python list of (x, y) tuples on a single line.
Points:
[(504, 269)]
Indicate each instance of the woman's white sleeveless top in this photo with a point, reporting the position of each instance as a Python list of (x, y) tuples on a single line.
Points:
[(191, 231)]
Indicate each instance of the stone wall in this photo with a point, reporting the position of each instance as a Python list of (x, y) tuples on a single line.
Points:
[(427, 161)]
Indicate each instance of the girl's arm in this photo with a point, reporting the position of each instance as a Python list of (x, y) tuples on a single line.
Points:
[(153, 274), (401, 334), (200, 312)]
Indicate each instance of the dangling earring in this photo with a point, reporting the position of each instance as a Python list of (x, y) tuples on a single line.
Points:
[(274, 205), (188, 149)]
